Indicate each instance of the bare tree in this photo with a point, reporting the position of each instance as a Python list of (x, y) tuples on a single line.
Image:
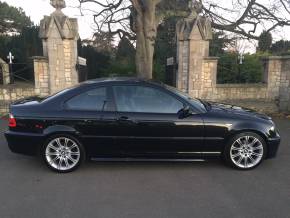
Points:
[(138, 20), (244, 17)]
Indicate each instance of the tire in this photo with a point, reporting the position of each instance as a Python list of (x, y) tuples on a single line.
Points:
[(245, 151), (63, 153)]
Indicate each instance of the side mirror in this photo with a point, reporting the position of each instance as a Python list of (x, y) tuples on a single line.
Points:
[(185, 112)]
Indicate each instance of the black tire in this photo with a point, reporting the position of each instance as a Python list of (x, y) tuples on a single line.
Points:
[(245, 154), (77, 146)]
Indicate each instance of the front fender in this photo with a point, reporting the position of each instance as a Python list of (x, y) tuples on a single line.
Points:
[(260, 129)]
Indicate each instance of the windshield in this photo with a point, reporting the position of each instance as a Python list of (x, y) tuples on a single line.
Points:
[(196, 103)]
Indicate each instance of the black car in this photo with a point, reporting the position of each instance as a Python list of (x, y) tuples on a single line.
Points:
[(134, 119)]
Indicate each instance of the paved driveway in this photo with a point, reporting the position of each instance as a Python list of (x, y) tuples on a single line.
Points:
[(209, 189)]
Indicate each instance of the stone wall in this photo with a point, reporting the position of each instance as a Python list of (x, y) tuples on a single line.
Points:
[(274, 90), (10, 93), (197, 72)]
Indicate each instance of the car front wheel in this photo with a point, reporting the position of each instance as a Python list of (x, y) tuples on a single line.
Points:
[(245, 151), (63, 153)]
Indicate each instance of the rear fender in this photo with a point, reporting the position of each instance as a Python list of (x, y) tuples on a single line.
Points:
[(60, 129)]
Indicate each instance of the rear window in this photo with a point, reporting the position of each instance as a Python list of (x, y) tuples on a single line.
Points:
[(92, 100), (56, 94)]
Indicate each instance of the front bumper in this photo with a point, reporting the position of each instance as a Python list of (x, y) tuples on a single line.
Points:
[(273, 146), (24, 143)]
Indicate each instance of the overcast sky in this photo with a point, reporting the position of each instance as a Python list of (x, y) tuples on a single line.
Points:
[(36, 9)]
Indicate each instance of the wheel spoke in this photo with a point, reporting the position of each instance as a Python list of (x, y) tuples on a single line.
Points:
[(257, 154), (253, 142), (247, 139), (54, 160), (235, 148), (52, 147), (257, 148), (73, 146), (236, 155), (58, 142), (65, 142), (71, 159), (52, 153), (59, 163), (239, 142), (240, 160), (66, 162), (252, 159), (246, 162)]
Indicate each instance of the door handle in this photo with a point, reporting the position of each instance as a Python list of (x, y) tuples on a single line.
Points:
[(88, 121), (123, 118), (126, 119)]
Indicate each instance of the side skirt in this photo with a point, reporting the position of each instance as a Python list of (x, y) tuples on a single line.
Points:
[(180, 157), (145, 160)]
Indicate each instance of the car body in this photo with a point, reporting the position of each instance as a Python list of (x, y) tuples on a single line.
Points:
[(135, 119)]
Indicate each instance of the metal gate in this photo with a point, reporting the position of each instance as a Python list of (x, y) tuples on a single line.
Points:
[(170, 72), (1, 75)]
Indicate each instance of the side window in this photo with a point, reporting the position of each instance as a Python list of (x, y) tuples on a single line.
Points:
[(93, 100), (145, 99)]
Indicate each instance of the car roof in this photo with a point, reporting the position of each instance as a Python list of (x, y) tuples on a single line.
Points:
[(120, 79)]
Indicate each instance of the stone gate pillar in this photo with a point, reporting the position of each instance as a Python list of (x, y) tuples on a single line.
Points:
[(4, 73), (193, 35), (59, 35)]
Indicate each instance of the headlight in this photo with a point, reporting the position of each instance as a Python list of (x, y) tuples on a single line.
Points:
[(273, 132)]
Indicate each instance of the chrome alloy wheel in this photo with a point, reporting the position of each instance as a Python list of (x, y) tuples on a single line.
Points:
[(62, 154), (246, 152)]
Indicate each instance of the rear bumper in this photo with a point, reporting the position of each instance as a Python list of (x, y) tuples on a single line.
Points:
[(273, 146), (24, 143)]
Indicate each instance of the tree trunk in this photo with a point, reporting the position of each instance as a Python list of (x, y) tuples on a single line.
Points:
[(146, 29)]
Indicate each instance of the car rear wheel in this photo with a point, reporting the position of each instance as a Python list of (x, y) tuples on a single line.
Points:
[(63, 153), (245, 151)]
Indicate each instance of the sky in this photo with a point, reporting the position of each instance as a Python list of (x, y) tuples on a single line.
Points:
[(36, 9)]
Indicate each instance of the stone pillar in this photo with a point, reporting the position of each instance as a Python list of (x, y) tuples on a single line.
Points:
[(59, 35), (4, 72), (284, 92), (277, 73), (41, 76), (193, 35), (208, 78)]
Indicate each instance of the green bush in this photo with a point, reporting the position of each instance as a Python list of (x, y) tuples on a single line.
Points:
[(230, 71)]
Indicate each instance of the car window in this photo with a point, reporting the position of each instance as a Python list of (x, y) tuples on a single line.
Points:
[(94, 100), (145, 99), (197, 104)]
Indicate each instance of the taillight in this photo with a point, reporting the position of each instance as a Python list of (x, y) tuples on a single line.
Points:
[(12, 121)]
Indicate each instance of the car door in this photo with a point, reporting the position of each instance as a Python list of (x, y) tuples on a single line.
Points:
[(148, 122), (92, 115)]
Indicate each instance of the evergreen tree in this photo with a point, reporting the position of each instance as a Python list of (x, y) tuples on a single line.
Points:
[(12, 19), (281, 47), (265, 41)]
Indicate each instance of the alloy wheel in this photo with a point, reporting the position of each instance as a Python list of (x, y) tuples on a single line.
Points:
[(62, 154), (246, 152)]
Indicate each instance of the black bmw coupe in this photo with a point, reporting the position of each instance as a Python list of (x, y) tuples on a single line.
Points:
[(132, 119)]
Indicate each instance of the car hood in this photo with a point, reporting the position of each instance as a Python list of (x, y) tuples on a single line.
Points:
[(237, 110)]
